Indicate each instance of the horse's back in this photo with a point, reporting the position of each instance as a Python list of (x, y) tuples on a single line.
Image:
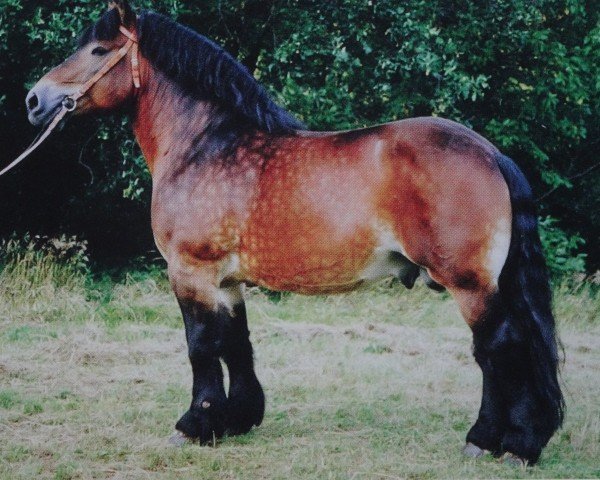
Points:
[(433, 132)]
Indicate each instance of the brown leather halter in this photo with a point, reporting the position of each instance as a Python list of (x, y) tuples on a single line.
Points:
[(69, 103)]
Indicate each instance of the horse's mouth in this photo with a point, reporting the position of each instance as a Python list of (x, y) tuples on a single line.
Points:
[(49, 117), (44, 119)]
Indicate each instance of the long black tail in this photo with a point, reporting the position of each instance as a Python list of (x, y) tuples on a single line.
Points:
[(524, 288)]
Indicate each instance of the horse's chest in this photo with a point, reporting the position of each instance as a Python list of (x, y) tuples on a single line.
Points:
[(200, 220)]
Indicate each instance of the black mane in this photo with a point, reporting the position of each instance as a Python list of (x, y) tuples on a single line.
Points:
[(201, 68)]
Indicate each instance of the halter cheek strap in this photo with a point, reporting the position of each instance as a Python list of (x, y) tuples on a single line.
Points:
[(69, 103), (132, 44), (135, 63)]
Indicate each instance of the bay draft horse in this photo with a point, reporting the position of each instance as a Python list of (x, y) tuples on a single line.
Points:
[(244, 194)]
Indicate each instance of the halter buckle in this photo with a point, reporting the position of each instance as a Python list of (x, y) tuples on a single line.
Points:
[(69, 104)]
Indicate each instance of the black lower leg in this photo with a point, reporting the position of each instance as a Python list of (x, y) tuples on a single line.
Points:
[(488, 430), (522, 419), (246, 402), (526, 432), (205, 418)]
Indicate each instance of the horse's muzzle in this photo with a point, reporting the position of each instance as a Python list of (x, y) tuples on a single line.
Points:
[(42, 103)]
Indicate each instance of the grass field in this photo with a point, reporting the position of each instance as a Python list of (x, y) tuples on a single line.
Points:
[(378, 384)]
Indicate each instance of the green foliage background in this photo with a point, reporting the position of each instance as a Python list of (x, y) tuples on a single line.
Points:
[(524, 73)]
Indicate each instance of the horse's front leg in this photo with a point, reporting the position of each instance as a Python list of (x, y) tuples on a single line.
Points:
[(216, 327), (206, 310), (204, 328), (246, 402)]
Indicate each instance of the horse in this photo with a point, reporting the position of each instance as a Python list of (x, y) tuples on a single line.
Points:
[(243, 194)]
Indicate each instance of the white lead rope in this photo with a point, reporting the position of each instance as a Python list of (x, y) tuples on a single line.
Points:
[(59, 116)]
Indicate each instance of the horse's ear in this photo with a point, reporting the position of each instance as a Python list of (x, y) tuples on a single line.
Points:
[(125, 11)]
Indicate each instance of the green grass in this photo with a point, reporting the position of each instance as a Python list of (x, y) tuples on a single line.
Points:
[(8, 399), (376, 384)]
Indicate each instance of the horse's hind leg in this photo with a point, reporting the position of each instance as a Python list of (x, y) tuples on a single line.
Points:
[(487, 432), (511, 419), (505, 347), (204, 328), (246, 400)]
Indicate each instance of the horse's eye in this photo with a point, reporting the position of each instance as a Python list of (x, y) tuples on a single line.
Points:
[(99, 51)]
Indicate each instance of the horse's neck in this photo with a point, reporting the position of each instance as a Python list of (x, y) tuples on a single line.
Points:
[(167, 123)]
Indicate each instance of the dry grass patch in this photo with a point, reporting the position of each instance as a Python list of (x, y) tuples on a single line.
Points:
[(376, 384)]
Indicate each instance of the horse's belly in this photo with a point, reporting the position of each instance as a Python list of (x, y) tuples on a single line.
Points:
[(313, 262), (309, 275)]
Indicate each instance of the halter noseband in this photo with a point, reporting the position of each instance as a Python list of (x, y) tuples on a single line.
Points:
[(69, 103)]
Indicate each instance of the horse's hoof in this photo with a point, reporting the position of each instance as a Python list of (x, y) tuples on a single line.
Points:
[(513, 460), (180, 439), (473, 451), (202, 425)]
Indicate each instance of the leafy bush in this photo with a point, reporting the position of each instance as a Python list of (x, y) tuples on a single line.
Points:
[(561, 250)]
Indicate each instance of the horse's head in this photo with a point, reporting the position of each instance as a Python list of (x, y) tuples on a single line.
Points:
[(100, 46)]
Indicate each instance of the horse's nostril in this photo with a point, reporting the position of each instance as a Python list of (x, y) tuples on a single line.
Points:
[(32, 101)]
